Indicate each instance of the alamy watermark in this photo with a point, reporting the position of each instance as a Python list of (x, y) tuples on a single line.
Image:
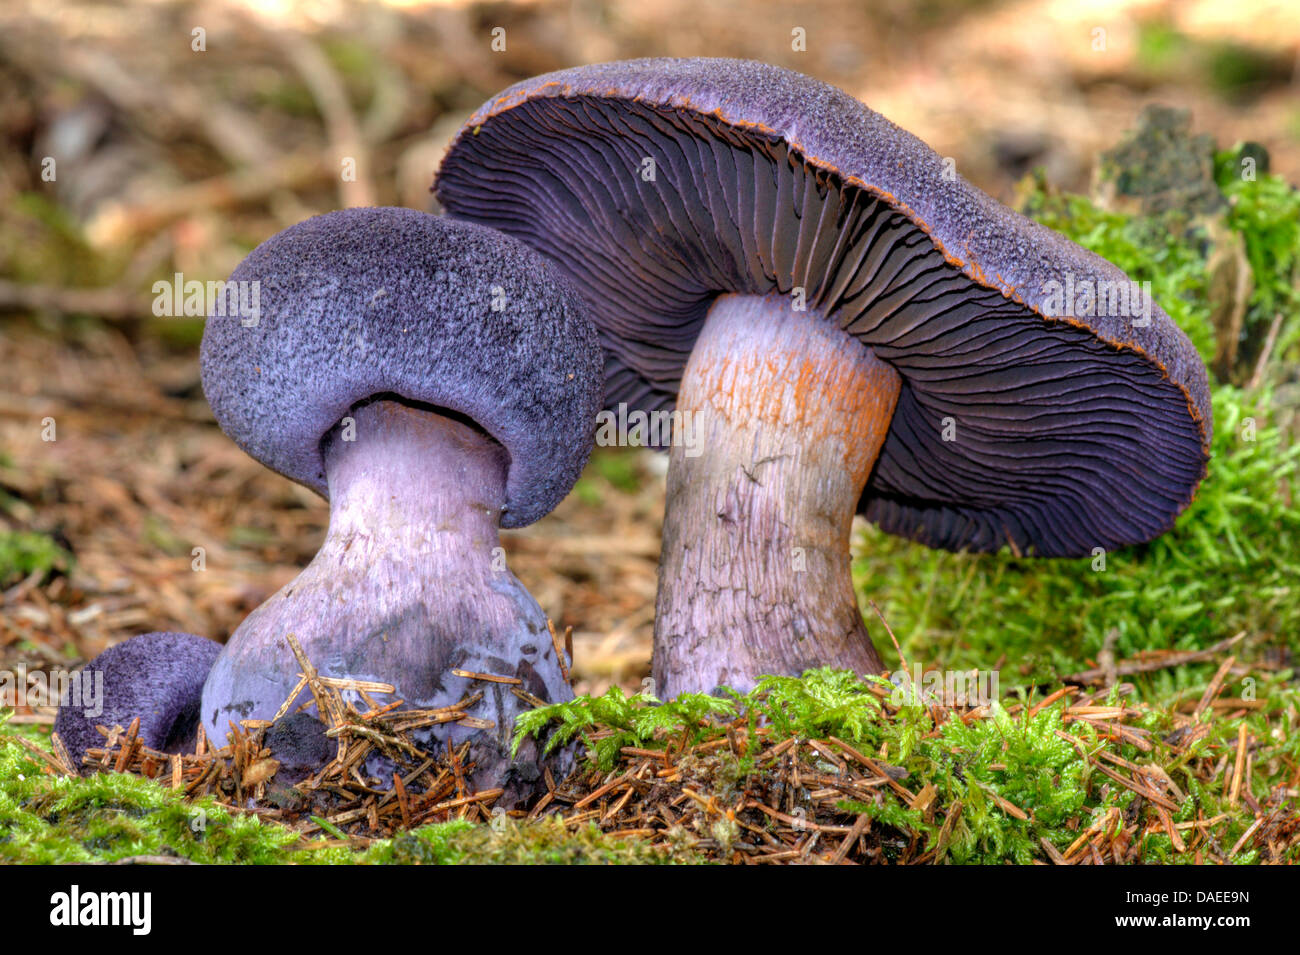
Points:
[(653, 429), (133, 910), (177, 297), (1089, 298), (81, 690), (944, 687)]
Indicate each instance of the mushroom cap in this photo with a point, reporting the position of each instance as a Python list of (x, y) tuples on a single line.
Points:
[(364, 303), (157, 677), (1072, 432)]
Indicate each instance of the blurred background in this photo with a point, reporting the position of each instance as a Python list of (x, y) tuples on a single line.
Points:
[(140, 138)]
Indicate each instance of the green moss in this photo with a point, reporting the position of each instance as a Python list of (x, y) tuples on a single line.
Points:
[(157, 535), (284, 94), (1236, 70), (506, 842), (48, 819), (1038, 762), (24, 552), (41, 242), (249, 538), (356, 63), (1265, 211), (1233, 70), (634, 720), (1161, 47), (177, 333), (609, 470)]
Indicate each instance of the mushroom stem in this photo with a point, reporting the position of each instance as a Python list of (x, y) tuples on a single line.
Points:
[(409, 585), (787, 414)]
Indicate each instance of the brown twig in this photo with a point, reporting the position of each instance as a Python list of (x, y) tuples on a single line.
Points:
[(1178, 658)]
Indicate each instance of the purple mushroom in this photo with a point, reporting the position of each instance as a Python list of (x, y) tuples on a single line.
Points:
[(436, 381), (156, 676), (845, 325)]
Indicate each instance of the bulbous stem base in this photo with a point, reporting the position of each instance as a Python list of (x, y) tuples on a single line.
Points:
[(409, 585)]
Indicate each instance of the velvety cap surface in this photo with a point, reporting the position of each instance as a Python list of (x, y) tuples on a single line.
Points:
[(392, 302), (1026, 416)]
